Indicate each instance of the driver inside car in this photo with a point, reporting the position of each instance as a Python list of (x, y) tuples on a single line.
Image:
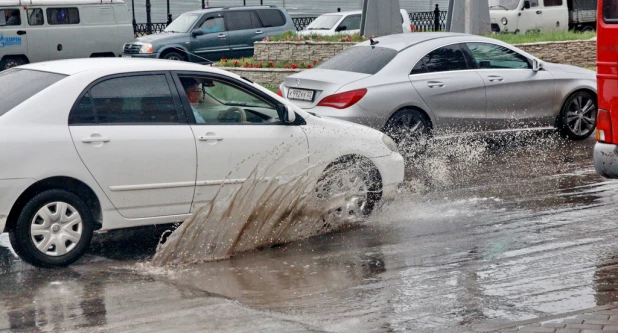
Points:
[(193, 91)]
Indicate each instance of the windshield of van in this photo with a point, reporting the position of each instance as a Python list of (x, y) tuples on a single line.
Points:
[(504, 4), (17, 85), (324, 22), (182, 23)]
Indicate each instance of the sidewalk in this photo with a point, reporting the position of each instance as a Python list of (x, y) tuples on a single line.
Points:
[(601, 319)]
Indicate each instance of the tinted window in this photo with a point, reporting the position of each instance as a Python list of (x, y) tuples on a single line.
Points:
[(10, 17), (213, 24), (351, 22), (83, 112), (242, 20), (271, 17), (218, 102), (134, 99), (62, 16), (610, 11), (495, 56), (35, 16), (551, 3), (17, 85), (448, 58), (360, 59)]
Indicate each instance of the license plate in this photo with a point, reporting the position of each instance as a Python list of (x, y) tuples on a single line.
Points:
[(300, 94)]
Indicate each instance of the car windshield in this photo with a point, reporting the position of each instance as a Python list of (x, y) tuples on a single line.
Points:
[(324, 22), (182, 23), (361, 59), (17, 85), (503, 4)]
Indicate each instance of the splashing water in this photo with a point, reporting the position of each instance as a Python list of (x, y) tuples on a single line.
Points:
[(270, 210)]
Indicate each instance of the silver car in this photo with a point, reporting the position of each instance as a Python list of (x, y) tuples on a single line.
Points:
[(408, 85)]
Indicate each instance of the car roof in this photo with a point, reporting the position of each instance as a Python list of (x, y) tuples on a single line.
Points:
[(114, 65), (216, 9), (400, 42)]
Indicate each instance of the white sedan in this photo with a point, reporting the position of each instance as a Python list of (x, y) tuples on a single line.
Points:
[(102, 144), (345, 23)]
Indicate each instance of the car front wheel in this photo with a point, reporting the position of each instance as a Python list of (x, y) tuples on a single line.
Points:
[(54, 229), (578, 116)]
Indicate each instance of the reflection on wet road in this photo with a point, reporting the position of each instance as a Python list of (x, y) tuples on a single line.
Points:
[(489, 236)]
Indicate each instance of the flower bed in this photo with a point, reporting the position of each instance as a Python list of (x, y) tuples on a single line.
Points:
[(296, 38), (252, 63)]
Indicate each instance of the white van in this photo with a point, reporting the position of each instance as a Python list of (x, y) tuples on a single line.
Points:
[(40, 30), (345, 23)]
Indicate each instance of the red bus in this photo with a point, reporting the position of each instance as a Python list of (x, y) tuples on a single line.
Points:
[(606, 148)]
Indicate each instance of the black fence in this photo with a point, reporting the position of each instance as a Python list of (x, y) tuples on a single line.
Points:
[(421, 21)]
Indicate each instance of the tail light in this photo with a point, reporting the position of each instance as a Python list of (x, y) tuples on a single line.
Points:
[(279, 92), (343, 100), (604, 126)]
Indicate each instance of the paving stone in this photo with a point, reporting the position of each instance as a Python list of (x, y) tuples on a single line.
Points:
[(585, 326), (573, 321), (555, 325), (593, 317), (610, 328), (601, 322), (567, 330), (537, 330), (597, 331)]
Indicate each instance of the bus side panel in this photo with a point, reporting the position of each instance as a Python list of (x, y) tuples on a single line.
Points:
[(607, 67)]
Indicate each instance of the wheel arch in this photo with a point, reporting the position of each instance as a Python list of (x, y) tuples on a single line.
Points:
[(69, 184), (174, 48), (569, 95), (428, 116), (21, 56), (375, 175)]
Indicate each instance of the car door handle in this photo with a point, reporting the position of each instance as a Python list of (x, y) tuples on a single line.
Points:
[(259, 32), (539, 11), (210, 138), (21, 32), (495, 78), (222, 36), (94, 139), (434, 84)]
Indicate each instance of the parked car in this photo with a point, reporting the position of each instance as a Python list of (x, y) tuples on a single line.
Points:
[(56, 29), (446, 83), (345, 23), (521, 16), (117, 143), (205, 36)]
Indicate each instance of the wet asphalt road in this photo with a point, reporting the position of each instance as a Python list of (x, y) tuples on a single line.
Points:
[(483, 234)]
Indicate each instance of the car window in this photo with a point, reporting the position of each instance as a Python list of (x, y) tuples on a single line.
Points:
[(62, 16), (351, 22), (360, 59), (271, 17), (534, 3), (495, 56), (213, 24), (214, 101), (17, 85), (182, 23), (448, 58), (610, 11), (35, 16), (552, 3), (243, 20), (10, 17), (141, 99)]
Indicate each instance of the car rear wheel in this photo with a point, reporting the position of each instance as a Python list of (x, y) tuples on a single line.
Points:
[(174, 56), (10, 62), (54, 229), (578, 116), (411, 131)]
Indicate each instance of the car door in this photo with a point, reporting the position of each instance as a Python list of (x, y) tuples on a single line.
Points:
[(212, 43), (13, 38), (516, 95), (244, 29), (531, 19), (349, 25), (133, 137), (236, 129), (555, 15), (38, 37), (65, 39), (454, 92)]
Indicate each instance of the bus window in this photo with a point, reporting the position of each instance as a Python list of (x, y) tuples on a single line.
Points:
[(610, 11)]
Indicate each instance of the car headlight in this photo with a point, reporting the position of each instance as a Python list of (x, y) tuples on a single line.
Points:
[(146, 48), (390, 143), (504, 21)]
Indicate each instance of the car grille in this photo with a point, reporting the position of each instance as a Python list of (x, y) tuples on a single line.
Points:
[(132, 48), (495, 27)]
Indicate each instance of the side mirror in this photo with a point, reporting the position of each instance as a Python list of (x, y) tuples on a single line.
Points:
[(527, 4), (286, 114), (536, 65), (341, 28), (197, 32)]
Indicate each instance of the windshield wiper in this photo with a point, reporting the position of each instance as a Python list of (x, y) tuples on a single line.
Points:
[(494, 6)]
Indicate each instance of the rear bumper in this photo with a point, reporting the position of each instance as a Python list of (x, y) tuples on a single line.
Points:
[(391, 169), (606, 160), (10, 190)]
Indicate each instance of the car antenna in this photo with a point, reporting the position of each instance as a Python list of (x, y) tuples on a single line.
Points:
[(373, 42)]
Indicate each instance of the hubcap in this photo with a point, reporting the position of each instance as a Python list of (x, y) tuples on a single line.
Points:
[(581, 115), (349, 188), (56, 229)]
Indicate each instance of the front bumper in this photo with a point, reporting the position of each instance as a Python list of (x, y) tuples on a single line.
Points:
[(606, 159), (391, 169), (140, 55), (10, 190)]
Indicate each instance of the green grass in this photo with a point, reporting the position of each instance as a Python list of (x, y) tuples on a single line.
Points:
[(554, 36)]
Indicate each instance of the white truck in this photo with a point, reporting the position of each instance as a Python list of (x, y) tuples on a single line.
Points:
[(522, 16)]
